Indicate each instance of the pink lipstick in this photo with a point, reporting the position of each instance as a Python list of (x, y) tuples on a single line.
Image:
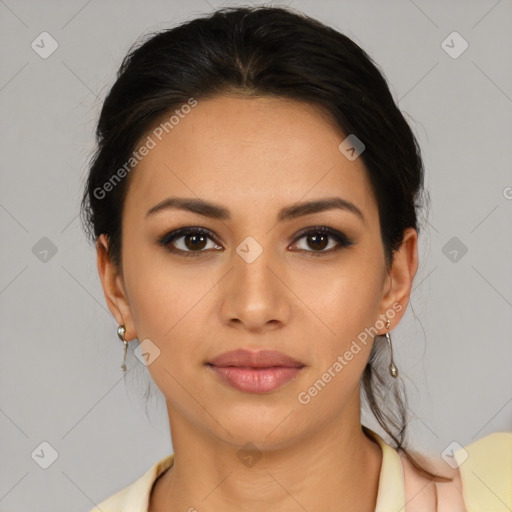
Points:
[(255, 372)]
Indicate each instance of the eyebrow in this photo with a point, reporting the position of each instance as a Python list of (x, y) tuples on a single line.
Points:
[(216, 211)]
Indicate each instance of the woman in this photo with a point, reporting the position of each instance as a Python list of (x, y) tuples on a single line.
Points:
[(254, 201)]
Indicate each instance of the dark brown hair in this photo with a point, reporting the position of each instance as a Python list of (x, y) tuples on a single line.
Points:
[(267, 51)]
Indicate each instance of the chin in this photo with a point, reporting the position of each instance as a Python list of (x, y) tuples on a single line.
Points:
[(272, 433)]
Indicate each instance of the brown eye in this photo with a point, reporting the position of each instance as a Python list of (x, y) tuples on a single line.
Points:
[(187, 241), (194, 241), (318, 239)]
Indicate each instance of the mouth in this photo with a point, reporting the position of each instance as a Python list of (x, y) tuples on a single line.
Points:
[(255, 372)]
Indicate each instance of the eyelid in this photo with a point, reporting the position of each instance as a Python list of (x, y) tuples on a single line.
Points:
[(173, 234)]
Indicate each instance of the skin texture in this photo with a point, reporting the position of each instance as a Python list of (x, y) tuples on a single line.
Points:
[(255, 156)]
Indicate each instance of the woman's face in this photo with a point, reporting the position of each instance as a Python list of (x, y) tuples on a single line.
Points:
[(258, 276)]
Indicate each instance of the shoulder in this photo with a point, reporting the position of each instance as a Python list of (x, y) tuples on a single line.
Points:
[(135, 497), (486, 472), (422, 493), (114, 503), (481, 474)]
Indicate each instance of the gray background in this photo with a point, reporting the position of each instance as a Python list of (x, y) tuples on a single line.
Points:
[(60, 377)]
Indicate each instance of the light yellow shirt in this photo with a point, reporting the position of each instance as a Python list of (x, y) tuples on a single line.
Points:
[(485, 476)]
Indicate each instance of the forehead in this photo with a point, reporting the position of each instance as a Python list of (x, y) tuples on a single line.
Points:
[(247, 152)]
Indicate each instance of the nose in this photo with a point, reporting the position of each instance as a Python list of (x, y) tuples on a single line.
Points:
[(254, 294)]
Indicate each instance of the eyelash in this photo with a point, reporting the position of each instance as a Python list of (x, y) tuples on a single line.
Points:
[(169, 237)]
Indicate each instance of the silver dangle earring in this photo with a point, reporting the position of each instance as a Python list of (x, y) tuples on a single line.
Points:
[(121, 332), (393, 370)]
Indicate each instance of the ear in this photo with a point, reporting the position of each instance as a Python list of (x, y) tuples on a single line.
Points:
[(113, 288), (400, 277)]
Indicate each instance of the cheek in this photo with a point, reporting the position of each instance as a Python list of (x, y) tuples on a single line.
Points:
[(349, 306), (347, 303), (167, 302), (164, 310), (160, 292), (350, 310)]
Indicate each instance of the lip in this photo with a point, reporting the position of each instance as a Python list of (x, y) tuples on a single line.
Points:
[(260, 359), (255, 372)]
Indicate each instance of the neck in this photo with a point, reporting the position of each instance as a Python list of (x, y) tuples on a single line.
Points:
[(336, 468)]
